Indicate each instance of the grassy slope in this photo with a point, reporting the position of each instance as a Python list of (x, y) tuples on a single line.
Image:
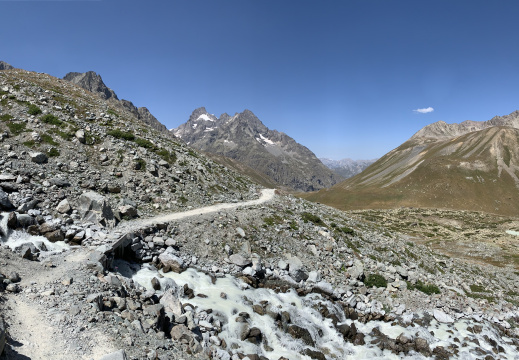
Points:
[(460, 173)]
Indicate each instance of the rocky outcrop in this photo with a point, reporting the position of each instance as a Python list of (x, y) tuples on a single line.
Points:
[(91, 82), (245, 138), (5, 66)]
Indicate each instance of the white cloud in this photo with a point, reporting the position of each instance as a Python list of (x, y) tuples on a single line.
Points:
[(424, 110)]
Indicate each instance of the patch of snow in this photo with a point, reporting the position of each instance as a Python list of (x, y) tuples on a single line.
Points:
[(209, 129), (267, 140), (512, 232), (204, 117), (194, 126)]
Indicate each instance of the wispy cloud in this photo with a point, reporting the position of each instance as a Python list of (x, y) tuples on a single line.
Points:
[(424, 110)]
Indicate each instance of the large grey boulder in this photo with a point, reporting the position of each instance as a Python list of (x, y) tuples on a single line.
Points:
[(5, 203), (39, 158), (172, 261), (95, 208)]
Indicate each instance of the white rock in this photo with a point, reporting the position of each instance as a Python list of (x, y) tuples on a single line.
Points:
[(442, 317)]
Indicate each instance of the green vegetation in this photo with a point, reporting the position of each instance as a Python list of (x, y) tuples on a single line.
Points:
[(272, 220), (428, 289), (307, 217), (376, 280), (112, 112), (346, 230), (168, 156), (53, 152), (48, 139), (293, 225), (478, 288), (118, 134), (16, 128), (30, 143), (64, 135), (52, 120), (33, 110), (6, 117), (182, 199), (145, 143)]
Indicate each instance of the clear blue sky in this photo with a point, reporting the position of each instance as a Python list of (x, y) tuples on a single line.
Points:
[(341, 77)]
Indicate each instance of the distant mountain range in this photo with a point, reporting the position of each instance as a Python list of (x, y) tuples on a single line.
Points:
[(243, 137), (347, 167), (469, 166)]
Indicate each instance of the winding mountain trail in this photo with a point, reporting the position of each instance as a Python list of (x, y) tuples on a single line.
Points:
[(266, 195), (38, 322)]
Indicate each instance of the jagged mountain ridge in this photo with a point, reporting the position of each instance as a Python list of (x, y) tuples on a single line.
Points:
[(93, 82), (441, 166), (245, 138), (347, 167)]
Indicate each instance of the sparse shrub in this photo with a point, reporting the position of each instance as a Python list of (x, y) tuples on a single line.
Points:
[(376, 280), (52, 120), (428, 289), (48, 139), (118, 134), (307, 217), (168, 156), (346, 230), (293, 225), (144, 143), (16, 128), (478, 288), (272, 220), (30, 143), (53, 152), (33, 110), (6, 117), (182, 199)]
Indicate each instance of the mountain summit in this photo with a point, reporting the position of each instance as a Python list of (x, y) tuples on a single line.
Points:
[(93, 82), (245, 138), (467, 166)]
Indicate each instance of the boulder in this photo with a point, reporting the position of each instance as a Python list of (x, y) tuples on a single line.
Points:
[(128, 212), (56, 235), (5, 203), (24, 221), (64, 207), (59, 182), (39, 158), (442, 317), (172, 261), (95, 207), (240, 260), (80, 135)]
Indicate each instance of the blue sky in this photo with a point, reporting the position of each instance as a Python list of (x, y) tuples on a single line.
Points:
[(340, 77)]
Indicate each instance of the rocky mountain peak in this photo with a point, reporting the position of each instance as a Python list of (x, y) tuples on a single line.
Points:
[(5, 66), (243, 137), (93, 82)]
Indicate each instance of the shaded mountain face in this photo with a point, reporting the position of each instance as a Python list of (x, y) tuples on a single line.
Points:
[(5, 66), (441, 166), (94, 83), (347, 167), (245, 138)]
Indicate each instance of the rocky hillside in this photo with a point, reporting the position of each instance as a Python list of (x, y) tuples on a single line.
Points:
[(94, 83), (243, 137), (442, 166), (347, 167), (59, 140)]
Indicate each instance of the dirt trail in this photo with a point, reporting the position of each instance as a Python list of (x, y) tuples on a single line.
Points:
[(266, 195), (35, 320)]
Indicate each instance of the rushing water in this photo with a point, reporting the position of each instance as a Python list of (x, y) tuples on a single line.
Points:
[(16, 238), (304, 313)]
